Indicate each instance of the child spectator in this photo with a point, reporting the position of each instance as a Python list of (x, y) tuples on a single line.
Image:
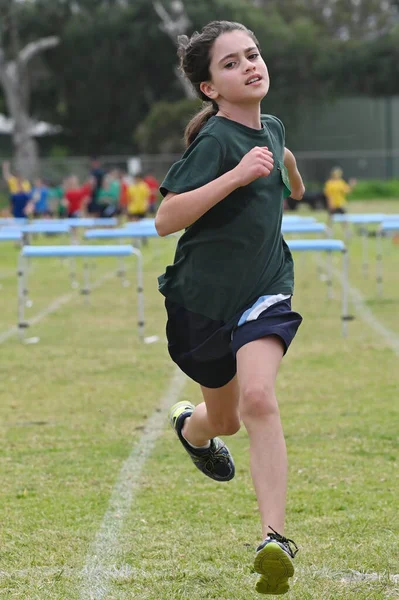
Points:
[(77, 196), (19, 190), (109, 194), (138, 198), (153, 184), (336, 190), (40, 199)]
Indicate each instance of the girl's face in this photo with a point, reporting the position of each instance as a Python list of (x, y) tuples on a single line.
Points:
[(239, 73)]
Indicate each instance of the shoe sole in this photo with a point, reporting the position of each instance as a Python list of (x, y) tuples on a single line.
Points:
[(174, 412), (275, 567)]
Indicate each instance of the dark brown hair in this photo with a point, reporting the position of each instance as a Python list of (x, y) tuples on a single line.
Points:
[(195, 58)]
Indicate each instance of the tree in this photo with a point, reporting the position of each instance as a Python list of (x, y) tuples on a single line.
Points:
[(174, 24), (342, 19), (15, 80)]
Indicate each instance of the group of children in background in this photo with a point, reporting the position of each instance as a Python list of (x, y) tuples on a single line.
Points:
[(103, 194), (116, 193)]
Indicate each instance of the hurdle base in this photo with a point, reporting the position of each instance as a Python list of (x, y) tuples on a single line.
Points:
[(348, 318)]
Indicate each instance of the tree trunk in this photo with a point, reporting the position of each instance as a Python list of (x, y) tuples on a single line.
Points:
[(12, 79), (173, 26)]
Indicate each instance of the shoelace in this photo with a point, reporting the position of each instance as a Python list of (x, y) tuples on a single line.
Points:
[(280, 538)]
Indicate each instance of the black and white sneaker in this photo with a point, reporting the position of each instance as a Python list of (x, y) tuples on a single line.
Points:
[(274, 563), (216, 461)]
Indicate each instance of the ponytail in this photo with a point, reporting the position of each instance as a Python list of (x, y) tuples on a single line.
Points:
[(198, 121)]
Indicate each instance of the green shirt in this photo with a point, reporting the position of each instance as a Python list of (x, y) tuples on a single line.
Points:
[(110, 195), (235, 252)]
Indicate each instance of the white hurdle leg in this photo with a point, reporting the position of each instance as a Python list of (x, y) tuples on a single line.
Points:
[(365, 264), (22, 324), (379, 269), (86, 281), (329, 275), (140, 294), (345, 292), (72, 261)]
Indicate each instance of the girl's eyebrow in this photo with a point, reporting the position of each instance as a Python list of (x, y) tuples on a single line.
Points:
[(234, 54)]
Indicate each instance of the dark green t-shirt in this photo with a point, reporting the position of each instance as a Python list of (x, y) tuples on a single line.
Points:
[(235, 252)]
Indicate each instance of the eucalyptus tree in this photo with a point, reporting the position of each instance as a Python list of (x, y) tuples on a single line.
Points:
[(15, 78)]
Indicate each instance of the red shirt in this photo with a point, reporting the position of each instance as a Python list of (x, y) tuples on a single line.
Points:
[(75, 197), (153, 184), (123, 196)]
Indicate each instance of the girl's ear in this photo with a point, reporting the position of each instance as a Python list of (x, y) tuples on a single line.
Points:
[(208, 89)]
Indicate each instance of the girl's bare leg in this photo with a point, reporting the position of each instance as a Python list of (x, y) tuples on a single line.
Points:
[(217, 415), (257, 367)]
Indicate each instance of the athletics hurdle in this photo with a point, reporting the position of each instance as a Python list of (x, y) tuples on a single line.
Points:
[(387, 226), (298, 219), (302, 227), (77, 251), (10, 235), (12, 222), (133, 233), (329, 246), (366, 220)]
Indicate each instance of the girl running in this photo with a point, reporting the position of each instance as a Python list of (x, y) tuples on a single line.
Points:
[(228, 292)]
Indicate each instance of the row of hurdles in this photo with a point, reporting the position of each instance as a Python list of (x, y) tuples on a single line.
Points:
[(136, 232), (22, 231)]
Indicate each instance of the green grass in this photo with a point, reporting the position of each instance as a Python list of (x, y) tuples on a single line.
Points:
[(73, 406)]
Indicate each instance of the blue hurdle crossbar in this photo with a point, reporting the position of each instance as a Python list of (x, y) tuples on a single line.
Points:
[(74, 251), (139, 233), (13, 235), (298, 219), (123, 232), (299, 227), (79, 222), (11, 221), (360, 218), (141, 222), (387, 226), (329, 245)]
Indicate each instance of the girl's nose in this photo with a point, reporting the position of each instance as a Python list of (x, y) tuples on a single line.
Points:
[(249, 66)]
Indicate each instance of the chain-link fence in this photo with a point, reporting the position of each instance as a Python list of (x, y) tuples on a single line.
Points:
[(314, 166)]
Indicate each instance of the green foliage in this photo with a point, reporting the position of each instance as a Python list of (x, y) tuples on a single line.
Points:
[(370, 189), (115, 62), (163, 128), (58, 151)]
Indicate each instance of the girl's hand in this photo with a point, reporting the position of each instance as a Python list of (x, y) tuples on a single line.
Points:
[(258, 162)]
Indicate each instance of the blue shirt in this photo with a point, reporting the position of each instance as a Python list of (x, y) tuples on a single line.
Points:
[(40, 195), (18, 204)]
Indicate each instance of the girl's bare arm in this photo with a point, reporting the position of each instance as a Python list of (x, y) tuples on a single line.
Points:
[(178, 211), (296, 183)]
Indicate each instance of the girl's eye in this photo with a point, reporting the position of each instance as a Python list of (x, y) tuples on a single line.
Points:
[(229, 65), (255, 55)]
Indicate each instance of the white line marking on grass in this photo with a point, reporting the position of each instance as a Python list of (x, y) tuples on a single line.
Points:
[(367, 316), (349, 576), (126, 572), (104, 551), (53, 307)]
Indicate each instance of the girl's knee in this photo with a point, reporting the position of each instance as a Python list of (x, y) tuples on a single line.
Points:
[(258, 402), (228, 426)]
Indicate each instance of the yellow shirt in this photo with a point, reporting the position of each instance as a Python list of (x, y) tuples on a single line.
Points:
[(16, 185), (336, 191), (138, 197)]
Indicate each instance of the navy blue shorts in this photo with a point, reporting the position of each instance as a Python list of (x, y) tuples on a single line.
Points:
[(206, 350)]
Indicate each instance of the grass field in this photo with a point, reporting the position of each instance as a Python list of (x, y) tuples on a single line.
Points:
[(74, 411)]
